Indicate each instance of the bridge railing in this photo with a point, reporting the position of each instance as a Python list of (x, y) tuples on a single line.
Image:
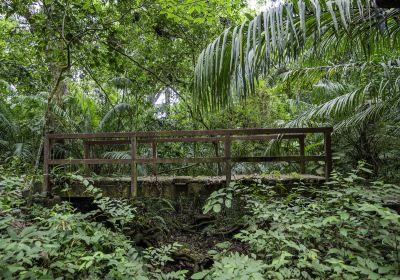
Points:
[(225, 136)]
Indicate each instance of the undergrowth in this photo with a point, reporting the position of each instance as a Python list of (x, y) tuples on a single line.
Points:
[(341, 231), (347, 229)]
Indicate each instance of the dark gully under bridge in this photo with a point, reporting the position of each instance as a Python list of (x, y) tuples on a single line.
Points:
[(226, 136)]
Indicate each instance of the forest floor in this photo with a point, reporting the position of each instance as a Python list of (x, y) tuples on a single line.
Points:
[(198, 234), (182, 222), (197, 249)]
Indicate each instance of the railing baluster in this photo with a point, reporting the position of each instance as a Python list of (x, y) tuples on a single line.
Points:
[(228, 162), (133, 190), (86, 155), (302, 154), (46, 175), (154, 148), (328, 154)]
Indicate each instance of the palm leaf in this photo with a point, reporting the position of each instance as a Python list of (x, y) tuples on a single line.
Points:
[(121, 107), (279, 35), (117, 155)]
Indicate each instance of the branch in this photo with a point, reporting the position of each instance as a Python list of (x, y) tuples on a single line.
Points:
[(98, 84), (138, 64)]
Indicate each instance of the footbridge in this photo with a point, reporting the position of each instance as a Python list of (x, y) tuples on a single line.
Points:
[(143, 150)]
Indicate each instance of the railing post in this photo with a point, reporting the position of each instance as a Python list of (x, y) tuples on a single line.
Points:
[(46, 175), (86, 155), (154, 148), (302, 154), (133, 189), (328, 154), (228, 170)]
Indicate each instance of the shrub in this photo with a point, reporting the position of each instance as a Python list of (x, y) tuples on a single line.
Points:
[(58, 242), (339, 231)]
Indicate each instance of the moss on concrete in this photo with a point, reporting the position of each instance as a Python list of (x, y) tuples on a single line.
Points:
[(182, 186)]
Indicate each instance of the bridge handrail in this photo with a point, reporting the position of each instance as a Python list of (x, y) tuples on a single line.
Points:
[(218, 135), (247, 131)]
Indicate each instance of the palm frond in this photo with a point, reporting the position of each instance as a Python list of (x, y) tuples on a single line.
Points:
[(22, 150), (117, 155), (373, 111), (334, 108), (4, 144), (340, 105), (121, 107), (7, 124), (63, 117), (121, 82), (328, 86), (230, 66)]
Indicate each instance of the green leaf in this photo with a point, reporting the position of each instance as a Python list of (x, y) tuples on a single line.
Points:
[(217, 208), (15, 268), (200, 275), (11, 232), (343, 232)]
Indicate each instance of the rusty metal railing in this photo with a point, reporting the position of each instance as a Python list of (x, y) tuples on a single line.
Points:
[(224, 135)]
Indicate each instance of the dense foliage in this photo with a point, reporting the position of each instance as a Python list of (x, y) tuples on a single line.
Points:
[(337, 61), (343, 230), (103, 66)]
